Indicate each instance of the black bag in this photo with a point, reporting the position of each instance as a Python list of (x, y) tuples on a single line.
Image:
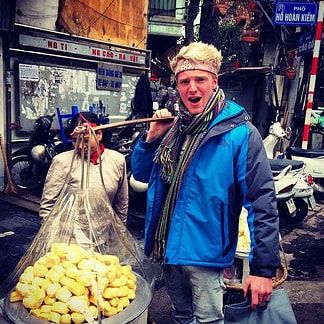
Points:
[(278, 310)]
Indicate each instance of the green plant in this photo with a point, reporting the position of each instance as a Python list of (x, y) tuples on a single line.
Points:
[(229, 42)]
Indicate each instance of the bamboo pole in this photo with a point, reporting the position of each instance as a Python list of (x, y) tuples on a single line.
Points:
[(134, 122)]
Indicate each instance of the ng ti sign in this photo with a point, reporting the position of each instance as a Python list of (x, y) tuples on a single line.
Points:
[(295, 13)]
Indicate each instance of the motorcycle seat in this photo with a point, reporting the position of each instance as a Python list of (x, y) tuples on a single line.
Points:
[(296, 151), (277, 165)]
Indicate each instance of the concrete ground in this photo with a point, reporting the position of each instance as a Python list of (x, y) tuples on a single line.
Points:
[(303, 246)]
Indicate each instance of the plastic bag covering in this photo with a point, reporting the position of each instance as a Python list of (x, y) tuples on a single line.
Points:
[(85, 217)]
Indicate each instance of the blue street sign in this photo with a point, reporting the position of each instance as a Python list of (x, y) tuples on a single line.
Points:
[(295, 13), (306, 43)]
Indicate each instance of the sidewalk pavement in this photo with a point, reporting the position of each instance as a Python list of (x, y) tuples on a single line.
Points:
[(303, 246)]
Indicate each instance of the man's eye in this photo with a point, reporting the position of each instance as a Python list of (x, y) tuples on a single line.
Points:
[(184, 81)]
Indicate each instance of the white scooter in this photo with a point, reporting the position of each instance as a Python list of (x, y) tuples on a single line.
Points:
[(314, 161), (284, 186), (304, 192)]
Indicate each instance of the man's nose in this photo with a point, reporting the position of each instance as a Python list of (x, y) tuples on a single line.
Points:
[(192, 86)]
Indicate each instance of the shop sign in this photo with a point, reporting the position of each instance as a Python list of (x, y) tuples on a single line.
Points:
[(109, 77), (57, 45), (306, 43), (295, 13)]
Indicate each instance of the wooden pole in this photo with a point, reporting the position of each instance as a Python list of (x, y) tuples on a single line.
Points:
[(134, 122)]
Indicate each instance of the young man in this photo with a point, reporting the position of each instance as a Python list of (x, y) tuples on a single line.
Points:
[(201, 170)]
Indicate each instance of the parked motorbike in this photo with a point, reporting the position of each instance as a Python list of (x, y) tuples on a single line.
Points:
[(314, 164), (304, 192), (28, 166), (284, 186)]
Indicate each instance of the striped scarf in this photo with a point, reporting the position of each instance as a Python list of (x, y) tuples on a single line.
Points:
[(174, 164)]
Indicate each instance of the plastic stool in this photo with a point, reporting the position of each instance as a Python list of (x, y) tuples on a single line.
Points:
[(246, 267), (75, 110)]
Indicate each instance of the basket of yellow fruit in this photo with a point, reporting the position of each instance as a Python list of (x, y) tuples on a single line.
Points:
[(236, 275), (72, 285)]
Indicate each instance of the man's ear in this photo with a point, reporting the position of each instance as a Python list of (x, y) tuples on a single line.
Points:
[(215, 81)]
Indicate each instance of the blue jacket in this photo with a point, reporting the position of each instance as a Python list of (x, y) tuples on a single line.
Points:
[(229, 169)]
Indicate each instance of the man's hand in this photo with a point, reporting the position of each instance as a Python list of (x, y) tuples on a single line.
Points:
[(158, 129), (261, 289)]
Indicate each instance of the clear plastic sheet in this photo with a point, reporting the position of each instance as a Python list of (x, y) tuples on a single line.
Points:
[(85, 217)]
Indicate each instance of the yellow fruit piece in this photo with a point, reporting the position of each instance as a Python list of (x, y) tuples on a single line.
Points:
[(54, 276), (59, 268), (63, 294), (111, 312), (74, 287), (130, 284), (40, 270), (110, 292), (123, 291), (67, 264), (244, 232), (113, 302), (35, 312), (60, 249), (119, 306), (75, 253), (66, 319), (110, 259), (23, 289), (49, 300), (52, 289), (93, 265), (77, 318), (93, 298), (55, 317), (127, 271), (44, 316), (99, 257), (94, 311), (97, 287), (60, 307), (46, 308), (125, 301), (131, 295), (121, 281), (32, 302), (15, 296), (105, 308), (72, 271), (85, 278), (51, 259), (77, 304), (27, 276), (41, 282)]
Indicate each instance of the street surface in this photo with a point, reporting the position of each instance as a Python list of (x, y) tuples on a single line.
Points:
[(303, 246)]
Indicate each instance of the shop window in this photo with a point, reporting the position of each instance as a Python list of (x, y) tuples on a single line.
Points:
[(162, 8)]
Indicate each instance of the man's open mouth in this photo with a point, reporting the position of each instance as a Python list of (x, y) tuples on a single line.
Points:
[(194, 100)]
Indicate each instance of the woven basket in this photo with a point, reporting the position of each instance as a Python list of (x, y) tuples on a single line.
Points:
[(281, 276)]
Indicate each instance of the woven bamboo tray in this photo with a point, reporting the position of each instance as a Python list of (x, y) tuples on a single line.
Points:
[(281, 276)]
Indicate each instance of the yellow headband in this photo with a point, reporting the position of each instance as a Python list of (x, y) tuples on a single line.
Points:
[(187, 64)]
